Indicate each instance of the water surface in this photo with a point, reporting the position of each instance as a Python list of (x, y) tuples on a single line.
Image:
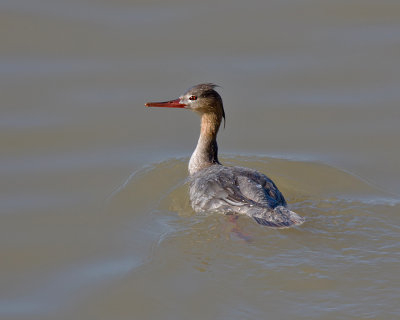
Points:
[(95, 217)]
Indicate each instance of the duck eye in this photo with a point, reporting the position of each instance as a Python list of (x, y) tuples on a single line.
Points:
[(192, 98)]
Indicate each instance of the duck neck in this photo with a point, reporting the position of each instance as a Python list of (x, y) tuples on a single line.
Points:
[(206, 152)]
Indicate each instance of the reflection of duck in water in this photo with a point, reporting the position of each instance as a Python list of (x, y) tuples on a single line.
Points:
[(230, 190)]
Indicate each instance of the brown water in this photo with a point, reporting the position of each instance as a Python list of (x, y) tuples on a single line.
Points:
[(95, 217)]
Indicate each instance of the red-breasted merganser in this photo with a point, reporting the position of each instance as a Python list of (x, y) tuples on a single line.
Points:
[(229, 190)]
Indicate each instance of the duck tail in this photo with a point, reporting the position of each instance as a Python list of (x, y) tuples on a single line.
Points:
[(279, 217)]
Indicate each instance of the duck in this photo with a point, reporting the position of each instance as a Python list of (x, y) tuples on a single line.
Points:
[(231, 190)]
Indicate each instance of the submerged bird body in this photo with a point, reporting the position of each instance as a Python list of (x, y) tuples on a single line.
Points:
[(218, 188)]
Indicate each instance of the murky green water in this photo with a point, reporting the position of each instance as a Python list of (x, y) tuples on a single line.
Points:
[(95, 217)]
